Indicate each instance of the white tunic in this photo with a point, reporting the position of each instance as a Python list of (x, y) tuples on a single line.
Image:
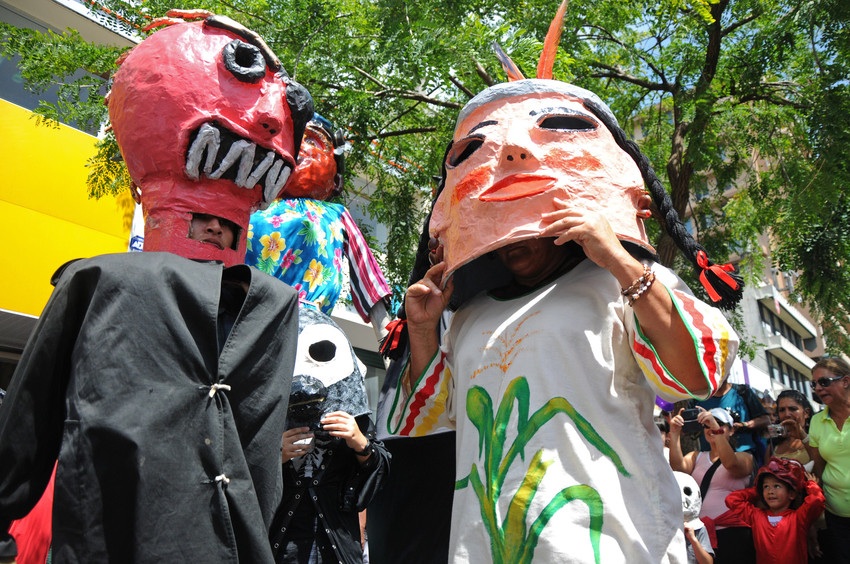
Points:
[(552, 394)]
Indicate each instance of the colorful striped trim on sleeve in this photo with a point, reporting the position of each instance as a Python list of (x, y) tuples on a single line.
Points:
[(425, 409), (714, 340)]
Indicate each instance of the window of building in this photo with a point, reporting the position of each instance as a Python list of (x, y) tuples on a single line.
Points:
[(788, 376), (773, 325)]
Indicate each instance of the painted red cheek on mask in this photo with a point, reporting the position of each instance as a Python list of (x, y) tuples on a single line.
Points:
[(566, 160), (471, 184)]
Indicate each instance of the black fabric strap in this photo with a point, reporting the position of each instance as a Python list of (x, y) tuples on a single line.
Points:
[(706, 480), (366, 450)]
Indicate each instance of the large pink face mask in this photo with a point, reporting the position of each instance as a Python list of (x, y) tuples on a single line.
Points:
[(208, 123), (516, 148)]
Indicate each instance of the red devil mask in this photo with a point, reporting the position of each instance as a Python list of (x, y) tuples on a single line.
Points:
[(316, 175), (208, 123)]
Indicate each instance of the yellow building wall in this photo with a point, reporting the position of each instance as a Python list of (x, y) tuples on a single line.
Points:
[(46, 216)]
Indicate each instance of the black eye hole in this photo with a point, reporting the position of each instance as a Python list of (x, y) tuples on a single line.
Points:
[(567, 123), (322, 351), (687, 490), (244, 61), (463, 149)]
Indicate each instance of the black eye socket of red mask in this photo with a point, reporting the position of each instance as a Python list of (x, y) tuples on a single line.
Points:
[(244, 61)]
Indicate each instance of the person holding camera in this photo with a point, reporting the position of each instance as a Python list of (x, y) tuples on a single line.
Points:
[(720, 471), (330, 475), (794, 412), (753, 419), (332, 462)]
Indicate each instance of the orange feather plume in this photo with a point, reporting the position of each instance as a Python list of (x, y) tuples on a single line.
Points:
[(550, 44)]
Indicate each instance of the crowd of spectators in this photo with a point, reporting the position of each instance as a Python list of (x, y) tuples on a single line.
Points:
[(774, 483)]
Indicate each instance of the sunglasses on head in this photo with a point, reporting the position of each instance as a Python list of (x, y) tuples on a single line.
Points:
[(825, 382)]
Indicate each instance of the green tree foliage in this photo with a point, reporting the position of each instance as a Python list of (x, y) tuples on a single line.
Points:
[(742, 106)]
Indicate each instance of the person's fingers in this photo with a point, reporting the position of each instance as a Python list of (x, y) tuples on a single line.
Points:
[(429, 284), (338, 415), (435, 274)]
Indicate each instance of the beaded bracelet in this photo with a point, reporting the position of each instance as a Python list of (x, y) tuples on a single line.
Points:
[(639, 286)]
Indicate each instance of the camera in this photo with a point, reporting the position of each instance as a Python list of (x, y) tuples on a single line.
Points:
[(691, 425), (775, 431)]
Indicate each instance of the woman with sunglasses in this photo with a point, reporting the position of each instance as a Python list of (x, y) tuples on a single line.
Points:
[(828, 443)]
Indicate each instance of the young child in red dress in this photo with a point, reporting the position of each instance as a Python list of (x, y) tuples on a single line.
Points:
[(779, 508)]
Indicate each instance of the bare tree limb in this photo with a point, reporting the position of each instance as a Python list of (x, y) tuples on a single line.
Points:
[(740, 23), (389, 92), (397, 133), (405, 112), (408, 95), (311, 37), (369, 76), (779, 101), (815, 54), (484, 75), (461, 86), (618, 74), (606, 35), (770, 92)]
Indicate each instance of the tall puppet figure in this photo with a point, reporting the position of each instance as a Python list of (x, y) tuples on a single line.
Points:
[(550, 372), (333, 465), (161, 383), (302, 239)]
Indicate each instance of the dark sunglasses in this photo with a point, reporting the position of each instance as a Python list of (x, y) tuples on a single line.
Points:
[(825, 382)]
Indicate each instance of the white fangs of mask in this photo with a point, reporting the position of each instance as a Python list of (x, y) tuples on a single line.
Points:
[(205, 148)]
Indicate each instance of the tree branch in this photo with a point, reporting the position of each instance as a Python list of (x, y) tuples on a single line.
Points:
[(484, 75), (241, 10), (398, 133), (712, 50), (770, 92), (606, 35), (369, 76), (408, 95), (389, 92), (617, 74), (777, 100), (461, 86), (815, 54), (735, 25), (311, 37)]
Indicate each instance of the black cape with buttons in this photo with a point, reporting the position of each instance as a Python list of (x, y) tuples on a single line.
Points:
[(329, 503), (168, 440)]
